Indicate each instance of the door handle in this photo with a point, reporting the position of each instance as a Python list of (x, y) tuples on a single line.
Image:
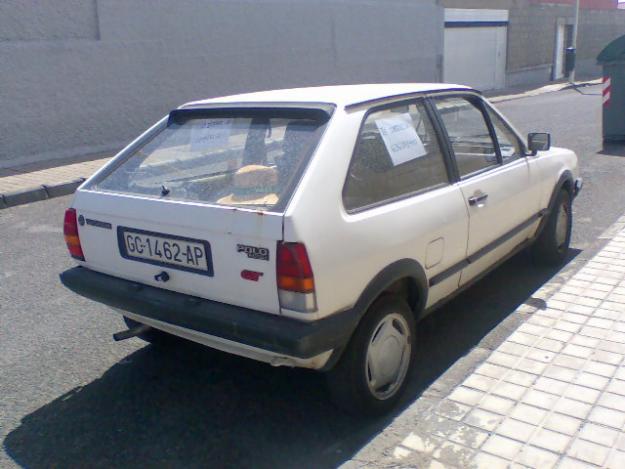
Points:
[(477, 198)]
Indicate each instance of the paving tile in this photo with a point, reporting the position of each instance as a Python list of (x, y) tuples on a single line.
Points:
[(487, 461), (494, 371), (589, 452), (466, 396), (616, 386), (468, 436), (520, 377), (620, 373), (531, 366), (548, 439), (576, 318), (567, 326), (590, 342), (483, 383), (550, 345), (536, 457), (569, 361), (483, 419), (591, 380), (599, 434), (503, 359), (616, 460), (610, 417), (527, 328), (602, 369), (501, 446), (612, 401), (451, 453), (613, 347), (560, 372), (577, 351), (540, 399), (552, 386), (512, 348), (541, 355), (572, 408), (522, 338), (582, 393), (562, 423), (568, 463), (496, 404), (529, 414), (607, 357), (515, 429), (562, 336), (452, 410), (509, 390), (420, 443)]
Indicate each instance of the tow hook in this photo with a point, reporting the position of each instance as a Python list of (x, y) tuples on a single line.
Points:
[(135, 331)]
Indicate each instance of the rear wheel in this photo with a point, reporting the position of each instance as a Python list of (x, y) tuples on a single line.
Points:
[(153, 336), (371, 375), (552, 245)]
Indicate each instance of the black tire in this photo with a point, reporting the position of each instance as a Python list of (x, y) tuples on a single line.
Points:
[(153, 336), (551, 247), (348, 381)]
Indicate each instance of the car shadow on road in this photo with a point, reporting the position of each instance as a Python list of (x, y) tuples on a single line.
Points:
[(189, 406)]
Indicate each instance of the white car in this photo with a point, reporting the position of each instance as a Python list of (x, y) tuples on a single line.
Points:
[(315, 227)]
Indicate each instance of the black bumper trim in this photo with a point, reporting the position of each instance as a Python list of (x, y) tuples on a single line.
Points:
[(277, 334)]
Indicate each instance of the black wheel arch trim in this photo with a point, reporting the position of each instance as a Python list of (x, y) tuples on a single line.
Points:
[(392, 273), (565, 177)]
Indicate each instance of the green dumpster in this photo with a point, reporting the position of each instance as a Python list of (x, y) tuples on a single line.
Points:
[(612, 58)]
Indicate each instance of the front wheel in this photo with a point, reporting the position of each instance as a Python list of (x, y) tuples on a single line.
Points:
[(371, 375), (552, 245)]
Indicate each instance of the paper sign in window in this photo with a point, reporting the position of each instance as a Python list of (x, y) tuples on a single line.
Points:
[(210, 134), (401, 138)]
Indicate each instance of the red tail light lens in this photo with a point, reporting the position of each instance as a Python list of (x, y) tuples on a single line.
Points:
[(70, 231), (294, 271)]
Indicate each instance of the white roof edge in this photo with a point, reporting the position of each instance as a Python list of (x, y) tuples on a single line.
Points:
[(340, 95)]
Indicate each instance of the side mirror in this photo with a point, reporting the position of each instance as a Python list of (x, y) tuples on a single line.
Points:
[(538, 142)]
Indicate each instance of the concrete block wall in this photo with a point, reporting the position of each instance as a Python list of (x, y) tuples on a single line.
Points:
[(532, 32), (86, 76)]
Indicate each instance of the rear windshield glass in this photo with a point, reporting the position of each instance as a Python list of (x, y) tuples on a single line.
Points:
[(249, 161)]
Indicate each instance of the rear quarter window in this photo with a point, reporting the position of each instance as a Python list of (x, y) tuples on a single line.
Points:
[(397, 154)]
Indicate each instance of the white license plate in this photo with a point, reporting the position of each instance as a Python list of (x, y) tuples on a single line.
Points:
[(192, 255)]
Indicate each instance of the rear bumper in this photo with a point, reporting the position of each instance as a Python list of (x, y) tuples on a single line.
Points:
[(213, 323)]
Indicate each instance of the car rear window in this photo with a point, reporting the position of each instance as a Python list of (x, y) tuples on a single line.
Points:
[(245, 159)]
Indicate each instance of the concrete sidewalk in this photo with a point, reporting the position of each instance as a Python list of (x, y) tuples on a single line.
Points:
[(21, 185), (551, 395)]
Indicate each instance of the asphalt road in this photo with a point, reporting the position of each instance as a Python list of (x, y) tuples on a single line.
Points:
[(70, 396)]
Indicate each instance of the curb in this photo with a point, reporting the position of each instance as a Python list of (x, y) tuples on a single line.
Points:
[(554, 88), (37, 193)]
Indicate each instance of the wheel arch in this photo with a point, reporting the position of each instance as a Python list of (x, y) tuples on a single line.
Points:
[(404, 271), (566, 182)]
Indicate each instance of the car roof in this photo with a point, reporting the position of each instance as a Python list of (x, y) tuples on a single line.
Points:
[(340, 95)]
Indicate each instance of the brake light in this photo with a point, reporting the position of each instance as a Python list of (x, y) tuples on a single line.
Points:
[(296, 283), (70, 231)]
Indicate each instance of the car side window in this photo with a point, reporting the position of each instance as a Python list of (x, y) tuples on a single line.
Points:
[(397, 153), (469, 135), (511, 148)]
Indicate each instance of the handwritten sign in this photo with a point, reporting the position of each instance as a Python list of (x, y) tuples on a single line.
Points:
[(210, 134), (401, 138)]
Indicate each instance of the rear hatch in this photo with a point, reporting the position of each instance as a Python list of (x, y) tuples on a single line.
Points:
[(196, 205)]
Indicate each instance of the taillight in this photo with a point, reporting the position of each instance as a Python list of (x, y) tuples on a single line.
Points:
[(296, 283), (70, 231)]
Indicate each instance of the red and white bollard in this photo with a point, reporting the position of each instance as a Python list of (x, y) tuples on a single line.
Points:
[(607, 90)]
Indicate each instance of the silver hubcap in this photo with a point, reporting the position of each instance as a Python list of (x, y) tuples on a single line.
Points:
[(388, 356), (562, 225)]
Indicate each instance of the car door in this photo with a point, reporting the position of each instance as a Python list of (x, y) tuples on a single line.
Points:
[(494, 178)]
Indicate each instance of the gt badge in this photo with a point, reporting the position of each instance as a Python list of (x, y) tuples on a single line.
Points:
[(254, 252)]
